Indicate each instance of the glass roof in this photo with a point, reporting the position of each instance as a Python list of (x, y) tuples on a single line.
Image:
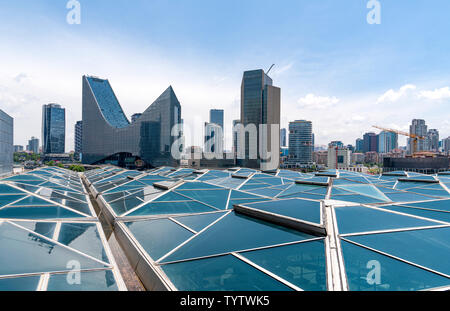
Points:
[(389, 232)]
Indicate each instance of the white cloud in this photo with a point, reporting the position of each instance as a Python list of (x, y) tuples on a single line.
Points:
[(317, 102), (436, 94), (393, 96)]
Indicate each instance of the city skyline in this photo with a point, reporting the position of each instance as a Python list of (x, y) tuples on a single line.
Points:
[(340, 77)]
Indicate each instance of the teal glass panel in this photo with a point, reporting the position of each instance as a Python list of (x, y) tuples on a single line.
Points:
[(171, 197), (443, 205), (32, 201), (215, 198), (199, 222), (89, 281), (5, 189), (407, 197), (353, 219), (295, 208), (236, 194), (158, 237), (268, 192), (225, 273), (394, 275), (367, 190), (356, 198), (122, 206), (23, 252), (83, 237), (8, 199), (23, 284), (303, 264), (44, 228), (436, 193), (426, 247), (430, 214), (78, 206), (39, 212), (236, 233), (244, 201), (172, 208), (304, 195)]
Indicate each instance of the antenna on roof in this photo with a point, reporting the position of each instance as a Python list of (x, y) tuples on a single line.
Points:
[(267, 73)]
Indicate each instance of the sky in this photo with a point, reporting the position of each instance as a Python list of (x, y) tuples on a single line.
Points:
[(333, 67)]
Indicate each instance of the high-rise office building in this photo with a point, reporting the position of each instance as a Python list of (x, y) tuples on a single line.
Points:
[(359, 145), (6, 143), (213, 138), (370, 142), (78, 139), (108, 136), (33, 145), (300, 142), (18, 148), (387, 141), (446, 145), (260, 105), (433, 140), (418, 128), (283, 141), (216, 116), (235, 137), (53, 129)]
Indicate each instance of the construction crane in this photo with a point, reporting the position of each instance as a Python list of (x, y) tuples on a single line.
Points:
[(267, 73), (415, 138)]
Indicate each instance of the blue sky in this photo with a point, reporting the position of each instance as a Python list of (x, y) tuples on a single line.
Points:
[(332, 66)]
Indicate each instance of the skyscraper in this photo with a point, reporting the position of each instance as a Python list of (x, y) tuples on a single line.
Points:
[(135, 116), (213, 138), (418, 128), (359, 145), (6, 143), (300, 142), (370, 143), (33, 145), (433, 140), (283, 137), (53, 129), (108, 136), (78, 139), (235, 137), (216, 117), (260, 105), (387, 141)]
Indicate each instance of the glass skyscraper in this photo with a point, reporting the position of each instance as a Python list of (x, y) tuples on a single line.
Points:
[(53, 129), (78, 139), (6, 143), (387, 141), (300, 142), (260, 104), (33, 145), (108, 136)]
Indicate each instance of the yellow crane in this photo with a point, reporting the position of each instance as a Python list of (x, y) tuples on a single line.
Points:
[(414, 138)]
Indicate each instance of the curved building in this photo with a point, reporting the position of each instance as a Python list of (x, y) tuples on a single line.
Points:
[(109, 138)]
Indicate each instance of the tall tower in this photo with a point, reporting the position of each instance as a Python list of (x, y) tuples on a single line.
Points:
[(260, 105), (78, 139), (53, 129), (300, 142), (419, 128)]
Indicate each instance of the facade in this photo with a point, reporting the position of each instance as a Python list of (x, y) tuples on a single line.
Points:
[(446, 145), (53, 129), (370, 142), (321, 157), (18, 148), (235, 137), (78, 139), (260, 105), (6, 143), (108, 136), (216, 117), (358, 158), (359, 145), (213, 138), (372, 157), (33, 145), (300, 142), (419, 128), (283, 134), (338, 157), (387, 141), (433, 140)]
